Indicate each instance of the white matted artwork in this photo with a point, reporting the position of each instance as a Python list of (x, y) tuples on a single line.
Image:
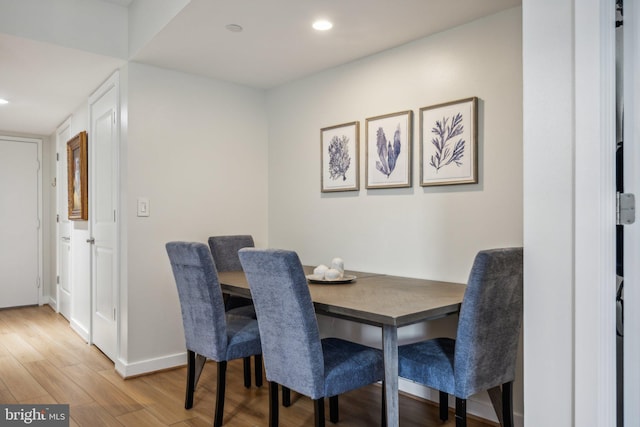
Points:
[(339, 151), (449, 143), (389, 150)]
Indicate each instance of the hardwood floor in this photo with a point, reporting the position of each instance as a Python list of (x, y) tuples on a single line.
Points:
[(42, 361)]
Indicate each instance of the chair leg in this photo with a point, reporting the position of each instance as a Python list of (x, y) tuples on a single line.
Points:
[(191, 376), (507, 404), (444, 406), (222, 374), (461, 412), (246, 362), (286, 396), (333, 409), (195, 364), (318, 412), (273, 404), (383, 421), (257, 360)]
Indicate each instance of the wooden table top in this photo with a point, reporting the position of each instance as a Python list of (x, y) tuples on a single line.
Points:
[(375, 299)]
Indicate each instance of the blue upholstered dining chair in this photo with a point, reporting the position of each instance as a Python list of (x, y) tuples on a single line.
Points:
[(483, 355), (209, 331), (294, 355), (224, 250)]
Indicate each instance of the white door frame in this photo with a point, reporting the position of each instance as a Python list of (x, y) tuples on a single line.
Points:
[(60, 202), (569, 212), (631, 232), (595, 218)]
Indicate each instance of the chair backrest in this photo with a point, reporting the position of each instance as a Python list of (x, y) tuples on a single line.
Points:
[(201, 302), (224, 250), (289, 332), (490, 321)]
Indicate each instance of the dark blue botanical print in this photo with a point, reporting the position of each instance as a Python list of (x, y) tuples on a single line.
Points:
[(388, 154), (444, 154), (339, 159)]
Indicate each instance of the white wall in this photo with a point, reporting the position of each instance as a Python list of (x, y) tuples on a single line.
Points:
[(197, 149), (421, 232)]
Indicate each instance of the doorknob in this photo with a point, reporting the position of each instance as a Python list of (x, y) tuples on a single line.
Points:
[(91, 241)]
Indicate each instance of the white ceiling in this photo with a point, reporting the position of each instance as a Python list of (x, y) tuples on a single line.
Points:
[(46, 82)]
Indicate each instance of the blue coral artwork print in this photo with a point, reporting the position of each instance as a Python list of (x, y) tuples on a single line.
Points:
[(448, 150), (339, 159), (387, 153)]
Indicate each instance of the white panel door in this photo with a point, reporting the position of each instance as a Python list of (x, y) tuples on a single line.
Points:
[(19, 222), (103, 200), (63, 289)]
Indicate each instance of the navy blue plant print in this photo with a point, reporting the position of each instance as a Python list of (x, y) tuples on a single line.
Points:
[(339, 159), (387, 153), (445, 155)]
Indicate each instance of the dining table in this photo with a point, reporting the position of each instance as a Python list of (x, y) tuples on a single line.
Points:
[(386, 301)]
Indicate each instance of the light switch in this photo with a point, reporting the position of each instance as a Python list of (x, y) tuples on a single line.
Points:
[(143, 206)]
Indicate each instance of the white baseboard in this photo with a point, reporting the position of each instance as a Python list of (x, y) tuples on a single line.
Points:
[(475, 406), (79, 329), (150, 365)]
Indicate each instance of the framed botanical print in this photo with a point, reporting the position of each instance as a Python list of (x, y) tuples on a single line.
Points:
[(339, 152), (389, 150), (449, 143)]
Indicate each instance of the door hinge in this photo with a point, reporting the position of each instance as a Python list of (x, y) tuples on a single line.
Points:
[(114, 314), (38, 282), (57, 280), (57, 218), (114, 215), (625, 208), (57, 157)]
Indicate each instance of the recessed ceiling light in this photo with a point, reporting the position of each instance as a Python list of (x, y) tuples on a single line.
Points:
[(322, 25), (234, 28), (3, 101)]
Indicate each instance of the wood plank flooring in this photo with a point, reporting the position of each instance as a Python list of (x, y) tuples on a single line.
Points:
[(43, 361)]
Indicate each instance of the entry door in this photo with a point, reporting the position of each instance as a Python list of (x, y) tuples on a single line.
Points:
[(19, 222), (63, 276), (103, 200)]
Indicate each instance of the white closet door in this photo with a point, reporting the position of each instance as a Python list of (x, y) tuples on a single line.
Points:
[(19, 223)]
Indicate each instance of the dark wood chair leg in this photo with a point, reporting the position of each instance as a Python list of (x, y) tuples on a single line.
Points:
[(444, 406), (318, 412), (286, 396), (273, 404), (191, 376), (461, 412), (222, 374), (383, 422), (257, 361), (334, 415), (507, 404), (246, 362)]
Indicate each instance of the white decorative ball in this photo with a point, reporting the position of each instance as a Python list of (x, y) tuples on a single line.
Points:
[(320, 270), (338, 264), (332, 274)]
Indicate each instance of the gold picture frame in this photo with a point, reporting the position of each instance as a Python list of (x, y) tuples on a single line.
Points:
[(77, 186)]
